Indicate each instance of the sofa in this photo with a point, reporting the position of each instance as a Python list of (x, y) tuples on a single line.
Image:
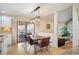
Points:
[(61, 42)]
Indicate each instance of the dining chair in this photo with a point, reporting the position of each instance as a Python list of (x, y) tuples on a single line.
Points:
[(32, 43), (44, 43), (25, 43), (21, 38)]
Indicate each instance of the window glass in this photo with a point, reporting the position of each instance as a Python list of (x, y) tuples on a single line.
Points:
[(6, 21)]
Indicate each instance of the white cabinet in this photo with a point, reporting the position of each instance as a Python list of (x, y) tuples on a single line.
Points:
[(3, 45), (9, 39)]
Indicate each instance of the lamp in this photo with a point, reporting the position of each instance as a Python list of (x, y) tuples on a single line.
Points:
[(37, 17)]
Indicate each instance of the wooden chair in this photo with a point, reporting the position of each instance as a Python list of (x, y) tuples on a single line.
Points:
[(25, 43), (32, 43), (44, 43)]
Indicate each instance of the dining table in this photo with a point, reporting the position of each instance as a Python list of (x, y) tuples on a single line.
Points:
[(38, 38)]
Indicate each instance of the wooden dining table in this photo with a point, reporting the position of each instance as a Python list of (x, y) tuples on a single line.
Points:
[(38, 37)]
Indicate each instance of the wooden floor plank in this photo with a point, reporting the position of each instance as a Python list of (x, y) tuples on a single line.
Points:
[(17, 49)]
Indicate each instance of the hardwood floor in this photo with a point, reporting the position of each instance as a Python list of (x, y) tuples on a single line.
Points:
[(17, 49)]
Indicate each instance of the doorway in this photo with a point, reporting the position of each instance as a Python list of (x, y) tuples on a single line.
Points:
[(24, 28)]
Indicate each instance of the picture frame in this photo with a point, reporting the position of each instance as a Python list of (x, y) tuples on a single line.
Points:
[(47, 26)]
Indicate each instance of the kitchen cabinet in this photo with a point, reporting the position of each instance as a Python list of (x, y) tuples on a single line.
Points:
[(9, 39), (3, 44)]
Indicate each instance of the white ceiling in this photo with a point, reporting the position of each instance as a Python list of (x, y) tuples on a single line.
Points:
[(24, 9)]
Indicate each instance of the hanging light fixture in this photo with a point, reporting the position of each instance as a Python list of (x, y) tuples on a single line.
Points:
[(37, 17)]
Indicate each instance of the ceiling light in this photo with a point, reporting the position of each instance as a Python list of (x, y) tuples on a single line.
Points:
[(36, 19), (31, 21)]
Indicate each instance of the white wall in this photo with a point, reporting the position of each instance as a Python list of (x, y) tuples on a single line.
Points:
[(14, 30), (78, 18), (55, 29), (43, 26), (75, 26)]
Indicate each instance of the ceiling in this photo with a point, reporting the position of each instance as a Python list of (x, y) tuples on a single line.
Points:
[(25, 9)]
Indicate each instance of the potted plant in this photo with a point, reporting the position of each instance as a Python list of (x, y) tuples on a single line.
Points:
[(64, 31)]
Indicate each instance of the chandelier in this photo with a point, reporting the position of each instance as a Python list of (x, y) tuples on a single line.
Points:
[(35, 13)]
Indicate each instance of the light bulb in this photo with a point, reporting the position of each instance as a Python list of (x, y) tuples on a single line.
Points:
[(31, 21), (38, 19)]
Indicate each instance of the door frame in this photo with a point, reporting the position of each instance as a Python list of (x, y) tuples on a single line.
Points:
[(25, 27)]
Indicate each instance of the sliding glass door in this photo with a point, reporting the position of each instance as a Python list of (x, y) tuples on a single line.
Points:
[(25, 28), (21, 31)]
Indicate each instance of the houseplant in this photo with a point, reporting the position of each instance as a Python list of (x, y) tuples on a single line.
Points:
[(64, 29)]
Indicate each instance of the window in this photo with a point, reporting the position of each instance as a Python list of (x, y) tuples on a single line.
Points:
[(6, 21), (5, 24)]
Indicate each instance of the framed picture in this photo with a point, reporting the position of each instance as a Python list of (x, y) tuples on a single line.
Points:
[(47, 26)]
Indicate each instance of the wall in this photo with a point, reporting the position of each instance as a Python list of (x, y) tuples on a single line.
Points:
[(47, 20), (75, 26), (43, 26), (14, 30), (78, 18)]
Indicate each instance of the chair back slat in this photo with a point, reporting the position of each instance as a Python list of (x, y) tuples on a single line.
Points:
[(44, 42)]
